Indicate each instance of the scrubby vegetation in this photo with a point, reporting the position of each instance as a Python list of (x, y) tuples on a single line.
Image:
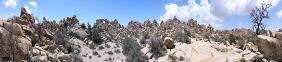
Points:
[(131, 49), (184, 36), (157, 47)]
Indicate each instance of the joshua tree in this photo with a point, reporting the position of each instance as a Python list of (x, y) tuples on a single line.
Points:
[(258, 15)]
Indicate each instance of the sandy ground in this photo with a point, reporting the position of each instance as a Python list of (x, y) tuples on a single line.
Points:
[(197, 51), (200, 51)]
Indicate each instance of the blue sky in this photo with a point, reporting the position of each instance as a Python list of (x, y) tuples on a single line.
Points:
[(222, 14)]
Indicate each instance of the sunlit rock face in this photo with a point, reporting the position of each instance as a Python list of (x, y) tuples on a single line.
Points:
[(270, 47)]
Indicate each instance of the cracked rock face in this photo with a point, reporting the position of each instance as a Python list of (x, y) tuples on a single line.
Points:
[(14, 28), (270, 47), (12, 42), (27, 19)]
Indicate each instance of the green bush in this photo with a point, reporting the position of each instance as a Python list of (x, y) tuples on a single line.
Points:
[(95, 36), (157, 47), (232, 38), (132, 50), (184, 36), (220, 39)]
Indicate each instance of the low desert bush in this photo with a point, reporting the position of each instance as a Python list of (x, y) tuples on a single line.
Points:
[(132, 50), (184, 36), (157, 47)]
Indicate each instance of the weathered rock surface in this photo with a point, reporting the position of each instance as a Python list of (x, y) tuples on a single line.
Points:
[(278, 35), (270, 47), (81, 33), (14, 28), (13, 43), (5, 48), (40, 55), (27, 19)]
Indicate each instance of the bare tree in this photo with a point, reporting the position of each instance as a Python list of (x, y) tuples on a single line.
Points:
[(258, 15)]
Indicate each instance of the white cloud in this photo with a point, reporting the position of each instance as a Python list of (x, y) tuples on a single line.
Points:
[(202, 12), (33, 3), (212, 11), (10, 3), (224, 8), (279, 14)]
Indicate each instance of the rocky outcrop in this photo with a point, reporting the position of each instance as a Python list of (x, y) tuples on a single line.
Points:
[(27, 18), (278, 35), (270, 47), (5, 48), (80, 33), (39, 55), (14, 28), (14, 43)]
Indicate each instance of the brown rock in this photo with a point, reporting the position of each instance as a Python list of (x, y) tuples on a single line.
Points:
[(270, 47), (27, 19), (39, 55), (14, 28), (80, 32), (27, 30), (23, 45), (169, 44), (14, 46), (278, 35), (5, 45)]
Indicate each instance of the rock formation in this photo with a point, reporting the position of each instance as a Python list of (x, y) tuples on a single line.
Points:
[(270, 47), (23, 40), (169, 43)]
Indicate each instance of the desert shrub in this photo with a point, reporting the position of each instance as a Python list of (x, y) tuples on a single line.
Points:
[(117, 51), (253, 39), (83, 26), (181, 58), (92, 46), (172, 58), (144, 38), (69, 21), (183, 36), (132, 50), (72, 34), (240, 41), (34, 39), (61, 37), (110, 52), (233, 39), (75, 54), (77, 58), (220, 39), (95, 36), (157, 47)]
